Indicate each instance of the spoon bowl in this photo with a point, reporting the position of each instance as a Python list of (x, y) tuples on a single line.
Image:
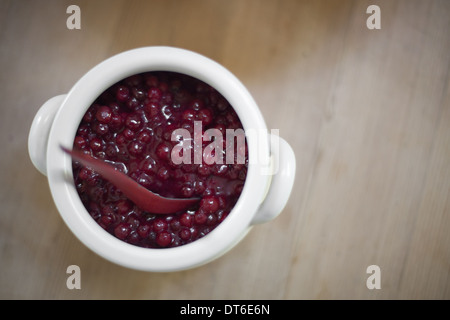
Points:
[(141, 196)]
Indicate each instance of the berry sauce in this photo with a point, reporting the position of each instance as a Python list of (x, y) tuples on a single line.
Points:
[(130, 125)]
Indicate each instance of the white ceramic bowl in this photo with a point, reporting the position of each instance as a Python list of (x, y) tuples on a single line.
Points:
[(264, 194)]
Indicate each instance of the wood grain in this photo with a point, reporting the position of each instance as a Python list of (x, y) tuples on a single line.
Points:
[(367, 113)]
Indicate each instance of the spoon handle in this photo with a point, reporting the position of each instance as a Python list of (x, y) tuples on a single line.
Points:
[(142, 197)]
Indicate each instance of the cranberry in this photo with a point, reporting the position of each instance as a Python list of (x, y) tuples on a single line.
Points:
[(104, 114), (164, 239), (151, 80), (205, 116), (120, 139), (107, 219), (135, 148), (122, 94), (133, 103), (185, 234), (175, 225), (187, 192), (133, 237), (220, 169), (145, 136), (163, 151), (163, 86), (139, 93), (133, 80), (209, 204), (144, 230), (154, 94), (152, 109), (123, 207), (84, 174), (130, 125), (196, 104), (159, 225), (222, 104), (211, 219), (88, 115), (128, 133), (96, 144), (100, 128), (188, 115), (116, 121), (163, 173), (186, 219), (83, 130), (204, 170), (148, 165), (133, 122), (122, 231), (145, 180), (80, 142), (167, 98), (200, 217)]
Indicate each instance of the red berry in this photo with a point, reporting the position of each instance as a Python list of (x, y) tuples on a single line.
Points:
[(122, 94), (154, 94), (209, 204), (104, 114), (122, 231), (130, 125), (163, 151), (164, 239), (205, 116)]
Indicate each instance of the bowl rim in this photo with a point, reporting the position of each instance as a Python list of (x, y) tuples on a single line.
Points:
[(59, 164)]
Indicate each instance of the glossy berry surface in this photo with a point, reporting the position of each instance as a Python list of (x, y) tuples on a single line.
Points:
[(130, 125)]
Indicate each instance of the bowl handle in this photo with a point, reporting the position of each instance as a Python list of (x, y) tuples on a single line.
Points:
[(40, 130), (283, 176)]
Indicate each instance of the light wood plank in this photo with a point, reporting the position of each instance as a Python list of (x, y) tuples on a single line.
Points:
[(367, 113)]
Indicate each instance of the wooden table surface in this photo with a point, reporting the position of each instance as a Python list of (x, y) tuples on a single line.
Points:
[(367, 113)]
